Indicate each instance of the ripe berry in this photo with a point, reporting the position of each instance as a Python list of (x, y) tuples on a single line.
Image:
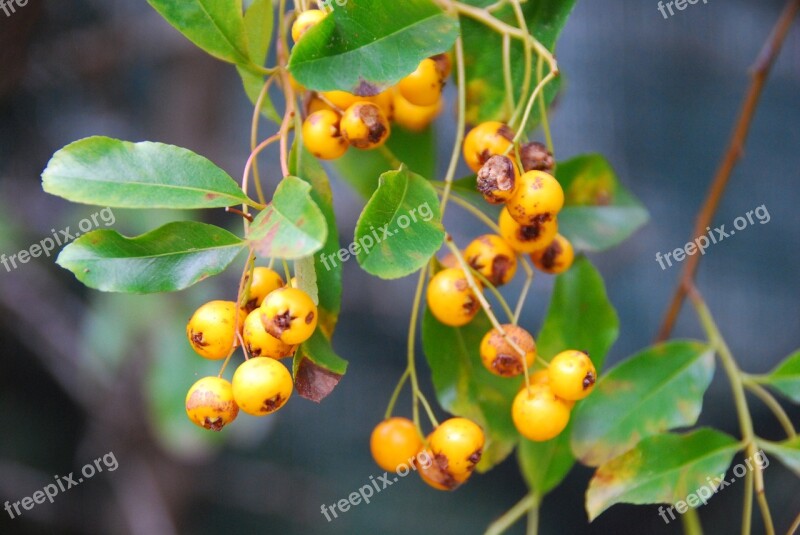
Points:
[(210, 404), (211, 329), (265, 280), (536, 157), (484, 141), (412, 117), (322, 136), (542, 377), (538, 413), (343, 100), (556, 258), (364, 125), (572, 375), (538, 194), (450, 299), (261, 386), (498, 179), (500, 358), (528, 238), (433, 474), (290, 315), (394, 442), (423, 87), (457, 445), (260, 343), (493, 258), (305, 21)]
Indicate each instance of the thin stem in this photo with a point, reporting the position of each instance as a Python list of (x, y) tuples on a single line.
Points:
[(747, 510), (253, 155), (533, 519), (492, 288), (548, 136), (531, 101), (525, 288), (510, 517), (526, 80), (428, 410), (795, 526), (395, 395), (462, 110), (691, 522), (474, 210), (759, 75), (286, 272), (769, 400), (412, 336), (507, 79), (254, 137)]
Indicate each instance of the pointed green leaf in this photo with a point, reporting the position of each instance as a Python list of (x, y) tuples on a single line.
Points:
[(118, 174), (598, 212), (400, 227), (787, 451), (786, 377), (317, 368), (665, 468), (465, 388), (658, 389), (292, 226), (216, 26), (594, 329), (170, 258), (367, 46)]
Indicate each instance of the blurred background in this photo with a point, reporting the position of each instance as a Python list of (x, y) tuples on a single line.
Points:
[(85, 373)]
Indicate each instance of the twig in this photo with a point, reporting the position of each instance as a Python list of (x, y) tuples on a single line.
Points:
[(759, 75)]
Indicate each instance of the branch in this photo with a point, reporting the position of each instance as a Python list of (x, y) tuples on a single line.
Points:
[(759, 74)]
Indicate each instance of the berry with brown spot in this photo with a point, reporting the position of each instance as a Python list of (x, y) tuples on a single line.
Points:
[(322, 136), (499, 356), (484, 141), (210, 403), (498, 179), (364, 125), (556, 258), (450, 299), (457, 446), (535, 157), (528, 238), (493, 258), (423, 87), (265, 281), (211, 330), (538, 194), (572, 375), (261, 386), (290, 315), (259, 343)]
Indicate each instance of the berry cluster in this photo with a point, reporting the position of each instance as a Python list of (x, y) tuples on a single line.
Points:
[(271, 324), (336, 120)]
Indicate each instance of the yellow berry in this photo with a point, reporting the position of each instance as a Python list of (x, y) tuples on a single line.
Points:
[(305, 21), (265, 280), (259, 343), (412, 117), (498, 179), (484, 141), (493, 258), (210, 404), (290, 315), (395, 442), (538, 194), (538, 413), (261, 386), (450, 299), (500, 358), (572, 375), (211, 330), (459, 442), (556, 258), (528, 238), (364, 125), (322, 136), (423, 87)]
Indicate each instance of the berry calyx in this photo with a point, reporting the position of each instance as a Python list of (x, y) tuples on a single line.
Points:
[(211, 330), (289, 315), (305, 21), (538, 413), (457, 446), (210, 403), (556, 258), (528, 238), (535, 157), (484, 141), (322, 136), (493, 258), (498, 179), (500, 358), (259, 343), (539, 194), (261, 386), (364, 125), (394, 442), (572, 375), (450, 299)]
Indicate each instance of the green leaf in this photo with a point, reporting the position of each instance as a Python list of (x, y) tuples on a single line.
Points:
[(216, 26), (119, 174), (258, 22), (400, 227), (361, 169), (666, 468), (317, 368), (787, 451), (598, 212), (367, 46), (594, 329), (786, 377), (465, 388), (292, 226), (328, 277), (170, 258), (483, 53), (658, 389)]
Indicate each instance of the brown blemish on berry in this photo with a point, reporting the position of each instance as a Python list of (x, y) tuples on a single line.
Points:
[(531, 232), (461, 284), (475, 458), (443, 65), (373, 119), (198, 340), (506, 132), (507, 365), (500, 267), (272, 404), (277, 325), (589, 380), (496, 175), (551, 254), (254, 352), (309, 318), (214, 424), (471, 305), (536, 157)]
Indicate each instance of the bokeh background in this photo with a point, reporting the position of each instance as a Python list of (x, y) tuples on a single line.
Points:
[(85, 373)]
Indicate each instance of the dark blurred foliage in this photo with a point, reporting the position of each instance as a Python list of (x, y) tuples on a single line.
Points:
[(86, 373)]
